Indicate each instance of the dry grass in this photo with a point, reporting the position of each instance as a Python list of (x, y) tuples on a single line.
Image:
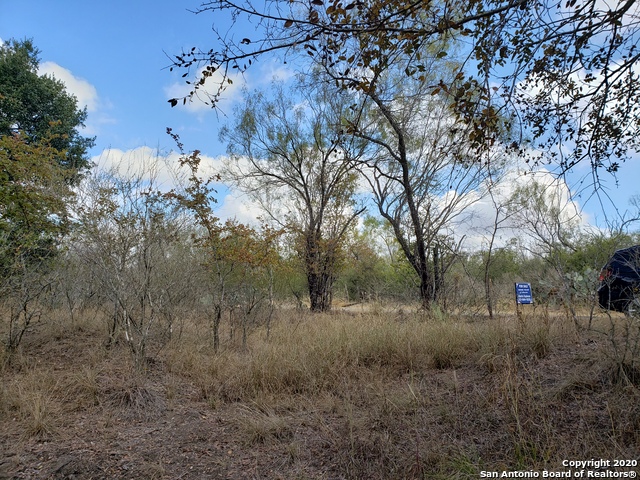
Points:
[(319, 353), (374, 395), (259, 424), (34, 398)]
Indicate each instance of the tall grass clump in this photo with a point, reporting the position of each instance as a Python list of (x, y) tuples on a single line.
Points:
[(450, 344), (82, 388), (33, 398)]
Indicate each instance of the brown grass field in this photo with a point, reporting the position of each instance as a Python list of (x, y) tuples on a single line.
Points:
[(376, 395)]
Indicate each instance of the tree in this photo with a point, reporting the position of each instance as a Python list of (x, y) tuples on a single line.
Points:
[(127, 233), (238, 259), (545, 211), (38, 107), (492, 255), (33, 199), (578, 56), (421, 168), (34, 196), (41, 150), (41, 154), (288, 154)]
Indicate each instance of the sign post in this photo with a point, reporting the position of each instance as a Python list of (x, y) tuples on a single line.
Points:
[(523, 297)]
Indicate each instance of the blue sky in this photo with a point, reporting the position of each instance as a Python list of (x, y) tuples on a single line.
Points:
[(112, 55), (118, 47)]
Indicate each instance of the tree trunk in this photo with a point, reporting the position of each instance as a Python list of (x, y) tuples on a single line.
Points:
[(426, 288), (488, 294), (217, 315), (320, 291), (320, 266), (437, 274)]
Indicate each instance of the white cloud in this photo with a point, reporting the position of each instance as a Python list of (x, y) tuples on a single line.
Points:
[(482, 213), (475, 224), (86, 93), (275, 70), (163, 168), (149, 163), (239, 207), (142, 162)]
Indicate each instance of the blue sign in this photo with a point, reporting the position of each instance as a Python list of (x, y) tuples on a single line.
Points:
[(523, 294)]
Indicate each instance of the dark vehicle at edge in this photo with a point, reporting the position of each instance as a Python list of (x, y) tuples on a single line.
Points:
[(620, 281)]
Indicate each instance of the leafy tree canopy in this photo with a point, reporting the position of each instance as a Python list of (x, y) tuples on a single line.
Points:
[(41, 155), (565, 72), (38, 106), (33, 203)]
